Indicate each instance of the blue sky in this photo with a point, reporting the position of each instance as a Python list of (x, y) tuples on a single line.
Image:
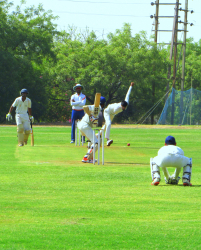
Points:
[(105, 16)]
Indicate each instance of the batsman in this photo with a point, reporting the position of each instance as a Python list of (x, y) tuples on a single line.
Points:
[(89, 120), (23, 116)]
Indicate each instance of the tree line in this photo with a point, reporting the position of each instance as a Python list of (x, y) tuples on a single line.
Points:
[(36, 56)]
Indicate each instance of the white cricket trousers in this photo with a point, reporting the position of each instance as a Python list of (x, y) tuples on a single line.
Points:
[(108, 123), (24, 120), (171, 160), (86, 130)]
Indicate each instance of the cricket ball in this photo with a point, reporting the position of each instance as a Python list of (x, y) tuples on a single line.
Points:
[(128, 144)]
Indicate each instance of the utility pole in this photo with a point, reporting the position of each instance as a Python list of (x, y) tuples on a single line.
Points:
[(155, 40), (184, 45), (183, 62), (173, 48), (173, 32), (175, 59), (184, 56), (156, 21), (175, 44)]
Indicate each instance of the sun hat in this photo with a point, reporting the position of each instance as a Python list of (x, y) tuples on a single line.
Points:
[(77, 86)]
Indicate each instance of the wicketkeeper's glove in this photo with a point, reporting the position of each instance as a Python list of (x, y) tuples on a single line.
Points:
[(93, 119), (31, 118), (9, 117)]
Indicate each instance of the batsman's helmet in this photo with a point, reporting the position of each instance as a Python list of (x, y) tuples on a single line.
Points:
[(102, 100), (170, 140), (24, 91)]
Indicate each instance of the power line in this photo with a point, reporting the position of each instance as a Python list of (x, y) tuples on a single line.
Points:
[(98, 2), (76, 13)]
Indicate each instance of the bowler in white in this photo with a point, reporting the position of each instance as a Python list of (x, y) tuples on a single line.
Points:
[(111, 111)]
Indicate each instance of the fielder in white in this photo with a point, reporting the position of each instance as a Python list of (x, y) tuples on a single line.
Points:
[(23, 107), (111, 111), (171, 156), (85, 126)]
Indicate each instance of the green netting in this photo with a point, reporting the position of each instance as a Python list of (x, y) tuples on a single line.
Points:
[(182, 107)]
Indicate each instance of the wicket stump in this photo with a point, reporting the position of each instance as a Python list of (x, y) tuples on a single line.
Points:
[(99, 140), (78, 131)]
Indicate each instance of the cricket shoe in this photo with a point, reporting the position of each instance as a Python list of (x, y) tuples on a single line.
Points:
[(186, 182), (21, 144), (72, 142), (91, 161), (85, 160), (168, 181), (109, 142), (172, 180), (155, 182)]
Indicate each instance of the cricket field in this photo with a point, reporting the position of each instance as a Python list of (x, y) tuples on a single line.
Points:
[(49, 199)]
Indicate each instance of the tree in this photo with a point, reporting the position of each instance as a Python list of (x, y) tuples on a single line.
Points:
[(193, 65), (108, 67), (26, 38)]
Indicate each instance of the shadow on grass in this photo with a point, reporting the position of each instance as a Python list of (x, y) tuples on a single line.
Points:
[(126, 163), (137, 147), (180, 185)]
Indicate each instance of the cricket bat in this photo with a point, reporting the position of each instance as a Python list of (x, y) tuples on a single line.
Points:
[(97, 103), (32, 136)]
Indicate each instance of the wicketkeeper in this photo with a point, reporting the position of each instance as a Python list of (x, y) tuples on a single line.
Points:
[(171, 156), (23, 116), (111, 111)]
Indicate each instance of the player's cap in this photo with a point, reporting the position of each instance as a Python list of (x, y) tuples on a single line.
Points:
[(170, 140), (124, 104), (77, 86)]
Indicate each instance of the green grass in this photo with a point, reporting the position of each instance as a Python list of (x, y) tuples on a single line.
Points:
[(49, 199)]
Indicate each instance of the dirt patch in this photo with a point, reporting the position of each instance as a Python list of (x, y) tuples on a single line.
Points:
[(156, 126), (121, 126)]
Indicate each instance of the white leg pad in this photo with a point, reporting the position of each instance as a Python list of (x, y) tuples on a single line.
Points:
[(100, 138), (89, 145), (187, 170), (89, 154), (155, 170), (26, 135), (20, 130)]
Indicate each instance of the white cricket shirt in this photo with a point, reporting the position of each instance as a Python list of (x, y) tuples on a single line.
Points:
[(85, 118), (171, 156), (21, 107), (170, 149), (79, 101), (115, 108)]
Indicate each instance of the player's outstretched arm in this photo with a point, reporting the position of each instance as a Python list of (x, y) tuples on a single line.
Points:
[(128, 93)]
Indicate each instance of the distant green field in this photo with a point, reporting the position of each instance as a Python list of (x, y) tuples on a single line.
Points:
[(49, 199)]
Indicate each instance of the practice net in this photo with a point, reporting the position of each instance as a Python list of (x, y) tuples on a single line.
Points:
[(182, 108)]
